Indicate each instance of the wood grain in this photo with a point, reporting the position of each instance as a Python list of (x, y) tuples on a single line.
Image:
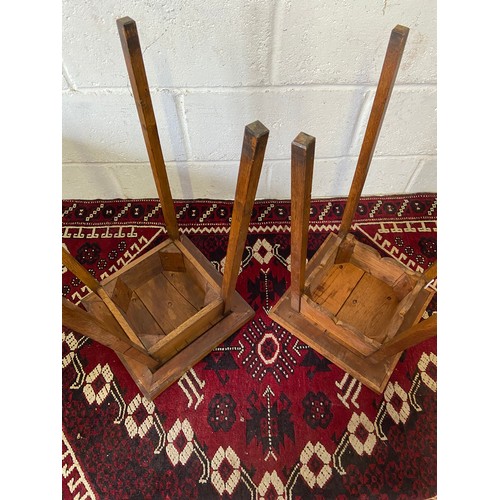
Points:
[(302, 167), (107, 333), (188, 331), (252, 156), (80, 272), (121, 295), (143, 322), (137, 74), (318, 274), (390, 68), (386, 269), (424, 330), (153, 382), (172, 259), (393, 324), (346, 248), (337, 286), (345, 334), (165, 303), (136, 261), (374, 376), (369, 307), (192, 260), (187, 287)]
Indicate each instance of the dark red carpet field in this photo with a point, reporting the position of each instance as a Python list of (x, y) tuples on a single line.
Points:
[(263, 416)]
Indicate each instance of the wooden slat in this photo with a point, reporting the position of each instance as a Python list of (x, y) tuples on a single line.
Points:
[(337, 286), (153, 383), (390, 68), (394, 324), (140, 88), (252, 156), (345, 334), (138, 317), (192, 259), (187, 287), (417, 309), (118, 315), (167, 306), (386, 269), (211, 295), (403, 286), (144, 324), (87, 324), (369, 307), (374, 376), (136, 261), (190, 330), (144, 359), (302, 154), (316, 276), (139, 273)]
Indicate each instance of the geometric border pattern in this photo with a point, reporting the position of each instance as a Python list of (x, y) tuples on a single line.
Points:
[(223, 468)]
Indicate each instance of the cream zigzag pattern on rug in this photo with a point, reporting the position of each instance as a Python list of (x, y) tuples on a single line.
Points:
[(380, 241), (76, 481), (332, 462)]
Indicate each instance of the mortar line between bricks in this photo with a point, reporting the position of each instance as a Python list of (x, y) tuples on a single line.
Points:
[(274, 160), (254, 88)]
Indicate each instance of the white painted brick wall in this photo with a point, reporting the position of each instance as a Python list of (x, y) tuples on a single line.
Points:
[(214, 67)]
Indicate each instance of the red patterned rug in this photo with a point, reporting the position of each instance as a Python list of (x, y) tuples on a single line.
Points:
[(263, 416)]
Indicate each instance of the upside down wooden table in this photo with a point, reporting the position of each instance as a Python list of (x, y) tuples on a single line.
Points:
[(357, 309), (168, 309)]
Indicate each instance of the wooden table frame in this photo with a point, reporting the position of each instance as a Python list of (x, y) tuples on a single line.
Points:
[(168, 309), (357, 309)]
